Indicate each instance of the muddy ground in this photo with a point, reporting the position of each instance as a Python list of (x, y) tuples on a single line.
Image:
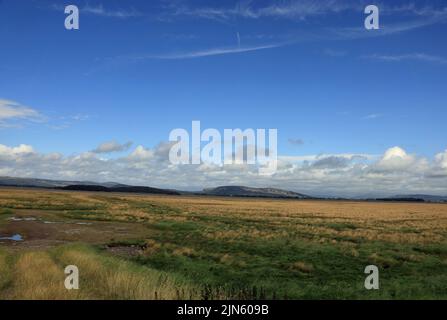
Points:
[(40, 229)]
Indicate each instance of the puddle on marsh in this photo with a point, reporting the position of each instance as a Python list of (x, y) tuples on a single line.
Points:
[(16, 237), (16, 219), (22, 219)]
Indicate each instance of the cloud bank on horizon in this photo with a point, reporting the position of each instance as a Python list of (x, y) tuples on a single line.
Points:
[(394, 172)]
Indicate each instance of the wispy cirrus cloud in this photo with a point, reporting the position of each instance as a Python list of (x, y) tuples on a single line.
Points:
[(420, 16), (373, 116), (422, 57), (208, 52), (284, 9), (15, 115), (301, 9), (101, 10), (12, 114), (411, 15), (296, 141), (353, 33), (64, 122), (411, 8)]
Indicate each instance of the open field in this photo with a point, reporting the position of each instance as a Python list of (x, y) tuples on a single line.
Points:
[(171, 247)]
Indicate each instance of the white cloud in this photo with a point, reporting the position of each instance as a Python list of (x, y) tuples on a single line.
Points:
[(9, 152), (11, 112), (395, 153), (316, 157), (394, 172), (141, 153), (412, 8), (416, 17), (396, 159), (439, 169), (303, 9), (112, 146), (373, 116), (100, 10), (291, 9), (209, 52), (422, 57), (79, 117), (441, 159)]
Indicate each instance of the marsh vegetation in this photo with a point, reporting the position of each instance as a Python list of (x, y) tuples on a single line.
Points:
[(180, 247)]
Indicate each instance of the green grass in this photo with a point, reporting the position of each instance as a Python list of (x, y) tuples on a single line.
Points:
[(243, 264), (6, 211), (341, 226), (223, 252), (88, 215)]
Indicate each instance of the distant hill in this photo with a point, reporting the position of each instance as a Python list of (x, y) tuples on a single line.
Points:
[(399, 199), (80, 186), (229, 191), (241, 191), (125, 189), (413, 198), (417, 197), (224, 191), (44, 183)]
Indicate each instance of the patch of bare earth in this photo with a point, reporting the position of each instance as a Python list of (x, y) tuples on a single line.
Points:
[(37, 232)]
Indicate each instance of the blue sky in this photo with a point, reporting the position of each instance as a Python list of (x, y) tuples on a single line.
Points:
[(138, 69)]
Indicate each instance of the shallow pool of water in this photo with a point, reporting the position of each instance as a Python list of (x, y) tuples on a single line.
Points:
[(16, 237), (22, 219)]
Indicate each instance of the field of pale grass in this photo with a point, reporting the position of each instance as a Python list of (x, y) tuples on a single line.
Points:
[(190, 247)]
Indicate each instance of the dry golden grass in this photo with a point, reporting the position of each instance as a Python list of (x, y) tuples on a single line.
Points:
[(116, 279), (287, 246), (302, 267), (392, 222), (4, 270), (40, 275), (37, 277), (420, 223)]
